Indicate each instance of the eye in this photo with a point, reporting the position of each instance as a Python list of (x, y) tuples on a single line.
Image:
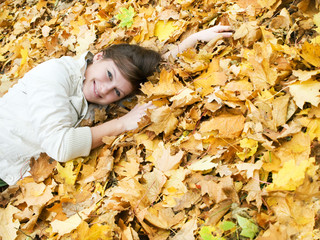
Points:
[(117, 92), (109, 75)]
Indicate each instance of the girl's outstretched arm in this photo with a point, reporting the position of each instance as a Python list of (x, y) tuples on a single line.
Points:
[(214, 33)]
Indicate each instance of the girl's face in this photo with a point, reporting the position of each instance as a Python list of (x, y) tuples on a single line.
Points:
[(104, 82)]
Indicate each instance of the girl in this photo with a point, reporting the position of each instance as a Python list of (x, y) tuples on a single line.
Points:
[(42, 111)]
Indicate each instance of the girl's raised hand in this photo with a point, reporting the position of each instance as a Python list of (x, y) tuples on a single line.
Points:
[(212, 34), (131, 119)]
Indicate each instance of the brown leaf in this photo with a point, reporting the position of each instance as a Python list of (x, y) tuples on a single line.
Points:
[(42, 168)]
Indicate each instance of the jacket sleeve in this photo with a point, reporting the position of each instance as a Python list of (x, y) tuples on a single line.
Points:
[(48, 87)]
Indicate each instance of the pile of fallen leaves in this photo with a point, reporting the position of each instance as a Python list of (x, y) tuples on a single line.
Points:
[(230, 152)]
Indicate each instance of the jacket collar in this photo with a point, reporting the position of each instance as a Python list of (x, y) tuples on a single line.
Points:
[(83, 61)]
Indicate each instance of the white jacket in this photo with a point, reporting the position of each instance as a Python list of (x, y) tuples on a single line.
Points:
[(40, 114)]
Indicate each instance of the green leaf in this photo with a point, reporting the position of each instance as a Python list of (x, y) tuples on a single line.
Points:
[(126, 17), (206, 232), (227, 225), (249, 229)]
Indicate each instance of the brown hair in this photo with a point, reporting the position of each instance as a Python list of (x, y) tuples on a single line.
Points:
[(135, 63)]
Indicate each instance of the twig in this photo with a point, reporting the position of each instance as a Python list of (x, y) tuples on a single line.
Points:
[(24, 233)]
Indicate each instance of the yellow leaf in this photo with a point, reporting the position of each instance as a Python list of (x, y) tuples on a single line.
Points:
[(8, 225), (154, 183), (228, 126), (208, 80), (311, 53), (175, 185), (164, 29), (67, 226), (291, 175), (167, 85), (67, 172), (305, 75), (163, 160), (249, 147), (307, 91), (163, 120), (184, 98), (316, 20), (203, 164), (24, 55)]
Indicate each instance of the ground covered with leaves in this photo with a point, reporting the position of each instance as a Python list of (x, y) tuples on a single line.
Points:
[(230, 152)]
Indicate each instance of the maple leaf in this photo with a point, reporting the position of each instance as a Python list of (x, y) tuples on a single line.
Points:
[(212, 77), (291, 175), (42, 167), (203, 164), (8, 225), (64, 227), (154, 183), (126, 17), (163, 120), (103, 168), (163, 30), (307, 91), (128, 167), (228, 126), (249, 147), (310, 52), (163, 160), (184, 98), (249, 229), (68, 173), (186, 231), (167, 85)]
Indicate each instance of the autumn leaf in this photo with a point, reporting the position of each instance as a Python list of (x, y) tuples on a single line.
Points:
[(42, 167), (310, 52), (163, 160), (307, 91), (249, 229), (163, 120), (203, 164), (68, 173), (228, 126), (126, 16), (8, 225), (236, 123), (163, 30), (291, 175)]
